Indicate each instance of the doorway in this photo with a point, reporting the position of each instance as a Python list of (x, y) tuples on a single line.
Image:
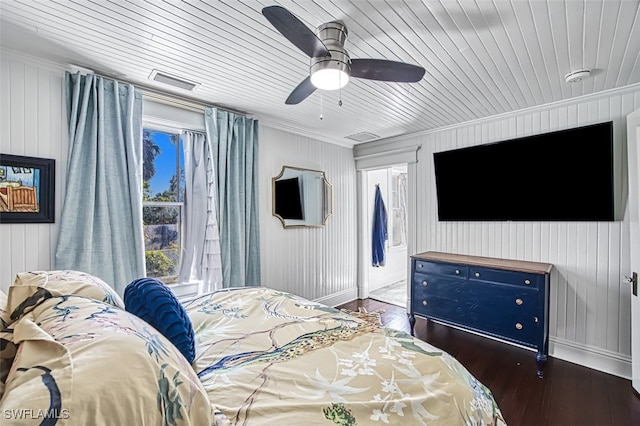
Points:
[(387, 281)]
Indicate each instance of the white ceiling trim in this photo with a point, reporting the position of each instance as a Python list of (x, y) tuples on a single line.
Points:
[(287, 127)]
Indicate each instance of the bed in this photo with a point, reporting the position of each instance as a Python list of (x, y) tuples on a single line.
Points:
[(15, 197), (262, 357)]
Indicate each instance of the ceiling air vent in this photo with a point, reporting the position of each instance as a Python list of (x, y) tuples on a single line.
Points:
[(171, 80), (362, 137)]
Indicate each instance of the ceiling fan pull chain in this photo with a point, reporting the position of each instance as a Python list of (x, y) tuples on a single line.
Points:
[(340, 85), (321, 115)]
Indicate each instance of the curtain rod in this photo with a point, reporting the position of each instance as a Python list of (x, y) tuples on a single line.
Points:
[(171, 98)]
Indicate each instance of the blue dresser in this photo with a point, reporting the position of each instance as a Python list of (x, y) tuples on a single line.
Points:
[(504, 299)]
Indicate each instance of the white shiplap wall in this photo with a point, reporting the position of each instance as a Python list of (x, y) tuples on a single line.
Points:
[(32, 117), (316, 263), (589, 307)]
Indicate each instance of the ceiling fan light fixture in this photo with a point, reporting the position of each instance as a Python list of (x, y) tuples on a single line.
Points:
[(331, 72), (329, 79)]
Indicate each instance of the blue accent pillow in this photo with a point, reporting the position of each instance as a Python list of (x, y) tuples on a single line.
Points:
[(151, 300)]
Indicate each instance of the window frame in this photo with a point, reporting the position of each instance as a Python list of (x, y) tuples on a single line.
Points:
[(150, 126), (164, 114)]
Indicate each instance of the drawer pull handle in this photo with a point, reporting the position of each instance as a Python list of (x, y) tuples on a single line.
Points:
[(535, 319), (419, 265), (527, 282), (424, 283), (424, 303), (457, 271), (477, 274), (518, 302), (519, 326)]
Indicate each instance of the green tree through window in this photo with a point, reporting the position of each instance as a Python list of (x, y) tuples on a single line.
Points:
[(163, 202)]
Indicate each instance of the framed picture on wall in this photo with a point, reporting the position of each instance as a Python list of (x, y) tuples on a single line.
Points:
[(27, 189)]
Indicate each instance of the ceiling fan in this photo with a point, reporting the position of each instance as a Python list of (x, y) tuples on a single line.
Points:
[(330, 66)]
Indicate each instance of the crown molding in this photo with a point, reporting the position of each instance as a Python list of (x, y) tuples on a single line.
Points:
[(273, 123)]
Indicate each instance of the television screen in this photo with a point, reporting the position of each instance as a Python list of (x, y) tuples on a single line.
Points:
[(560, 176), (288, 199)]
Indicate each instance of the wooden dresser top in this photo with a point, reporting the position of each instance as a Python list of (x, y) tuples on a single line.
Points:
[(489, 262)]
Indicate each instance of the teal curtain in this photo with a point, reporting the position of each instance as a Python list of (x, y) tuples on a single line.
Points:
[(233, 141), (101, 224)]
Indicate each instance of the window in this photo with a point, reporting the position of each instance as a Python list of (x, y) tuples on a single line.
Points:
[(162, 203), (398, 219)]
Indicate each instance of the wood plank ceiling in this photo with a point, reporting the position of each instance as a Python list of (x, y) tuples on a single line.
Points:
[(481, 57)]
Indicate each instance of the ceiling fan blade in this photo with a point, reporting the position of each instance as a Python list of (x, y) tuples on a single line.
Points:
[(301, 92), (295, 31), (383, 70)]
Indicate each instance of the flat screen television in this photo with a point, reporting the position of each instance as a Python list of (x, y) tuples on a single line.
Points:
[(288, 199), (565, 175)]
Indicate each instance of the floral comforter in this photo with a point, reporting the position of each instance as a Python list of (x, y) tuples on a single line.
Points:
[(271, 358), (71, 356)]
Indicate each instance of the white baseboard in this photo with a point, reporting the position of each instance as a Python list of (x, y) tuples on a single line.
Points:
[(591, 357), (340, 298)]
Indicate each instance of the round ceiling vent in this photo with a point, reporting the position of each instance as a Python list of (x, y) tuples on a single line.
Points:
[(576, 76)]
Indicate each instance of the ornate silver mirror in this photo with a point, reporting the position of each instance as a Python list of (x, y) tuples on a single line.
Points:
[(301, 197)]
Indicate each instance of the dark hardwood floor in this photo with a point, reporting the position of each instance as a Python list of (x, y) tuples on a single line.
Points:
[(568, 394)]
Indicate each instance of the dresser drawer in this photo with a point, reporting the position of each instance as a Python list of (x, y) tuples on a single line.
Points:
[(502, 299), (438, 285), (440, 307), (449, 269), (516, 325), (523, 279)]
